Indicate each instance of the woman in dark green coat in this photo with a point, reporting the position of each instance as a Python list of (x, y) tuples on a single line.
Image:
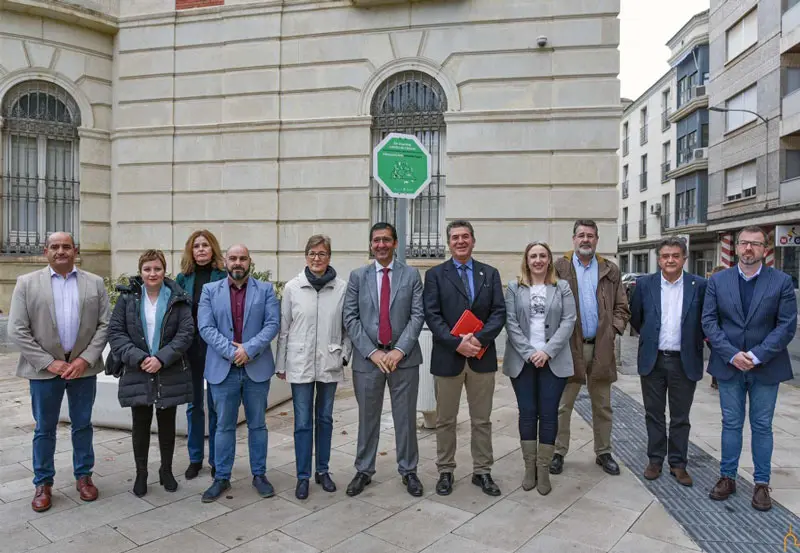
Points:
[(150, 332), (202, 263)]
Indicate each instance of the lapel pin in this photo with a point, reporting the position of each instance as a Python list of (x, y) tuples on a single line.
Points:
[(481, 273), (692, 283)]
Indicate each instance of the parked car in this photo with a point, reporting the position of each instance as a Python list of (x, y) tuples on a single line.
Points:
[(629, 283)]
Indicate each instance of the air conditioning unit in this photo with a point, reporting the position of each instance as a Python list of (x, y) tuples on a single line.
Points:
[(655, 209), (699, 90), (701, 153)]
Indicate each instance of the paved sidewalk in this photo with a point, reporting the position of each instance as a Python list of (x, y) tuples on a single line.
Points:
[(587, 512)]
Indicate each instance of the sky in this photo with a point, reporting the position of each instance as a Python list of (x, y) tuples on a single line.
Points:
[(645, 28)]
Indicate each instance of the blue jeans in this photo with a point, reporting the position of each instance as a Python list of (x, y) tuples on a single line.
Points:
[(732, 396), (196, 422), (538, 393), (235, 390), (46, 397), (304, 423)]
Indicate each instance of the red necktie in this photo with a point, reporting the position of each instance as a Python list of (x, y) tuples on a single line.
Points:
[(384, 322)]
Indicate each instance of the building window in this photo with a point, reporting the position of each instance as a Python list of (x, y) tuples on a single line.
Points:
[(642, 219), (740, 181), (643, 128), (792, 79), (665, 164), (792, 164), (641, 262), (40, 171), (624, 263), (686, 147), (791, 3), (643, 175), (666, 97), (665, 212), (624, 181), (686, 89), (747, 99), (624, 229), (625, 141), (742, 35), (686, 208), (412, 102)]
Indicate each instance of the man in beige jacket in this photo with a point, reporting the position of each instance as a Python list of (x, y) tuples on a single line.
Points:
[(58, 320)]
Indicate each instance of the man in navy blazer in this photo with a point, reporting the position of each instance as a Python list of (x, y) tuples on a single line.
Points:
[(238, 317), (458, 284), (666, 311), (750, 316)]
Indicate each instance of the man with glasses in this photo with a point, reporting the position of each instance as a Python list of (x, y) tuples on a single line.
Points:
[(666, 311), (749, 316), (383, 316), (602, 315)]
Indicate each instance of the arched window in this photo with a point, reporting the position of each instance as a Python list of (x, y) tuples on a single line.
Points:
[(40, 165), (412, 102)]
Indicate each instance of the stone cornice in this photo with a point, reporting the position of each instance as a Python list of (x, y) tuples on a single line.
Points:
[(100, 15)]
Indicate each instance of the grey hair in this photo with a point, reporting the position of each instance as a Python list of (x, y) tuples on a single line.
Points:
[(672, 242)]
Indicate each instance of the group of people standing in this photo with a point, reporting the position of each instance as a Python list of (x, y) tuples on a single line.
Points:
[(211, 328)]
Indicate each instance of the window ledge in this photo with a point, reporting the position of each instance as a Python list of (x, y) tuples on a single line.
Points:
[(742, 128), (734, 60), (740, 200)]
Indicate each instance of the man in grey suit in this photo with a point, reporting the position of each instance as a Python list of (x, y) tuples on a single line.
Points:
[(383, 316), (59, 321)]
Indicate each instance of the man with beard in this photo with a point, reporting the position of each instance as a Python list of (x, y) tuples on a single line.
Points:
[(468, 361), (383, 317), (749, 316), (602, 314), (238, 319)]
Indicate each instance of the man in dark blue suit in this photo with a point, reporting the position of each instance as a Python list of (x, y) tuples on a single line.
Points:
[(750, 316), (666, 311)]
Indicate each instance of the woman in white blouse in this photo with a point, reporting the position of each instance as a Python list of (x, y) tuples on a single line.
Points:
[(540, 316)]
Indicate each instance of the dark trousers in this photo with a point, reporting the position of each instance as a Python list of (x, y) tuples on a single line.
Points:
[(142, 419), (538, 393), (195, 412), (668, 381)]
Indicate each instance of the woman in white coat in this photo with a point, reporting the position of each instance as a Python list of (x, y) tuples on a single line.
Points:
[(313, 349)]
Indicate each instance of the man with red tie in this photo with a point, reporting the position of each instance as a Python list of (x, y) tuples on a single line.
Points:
[(383, 316)]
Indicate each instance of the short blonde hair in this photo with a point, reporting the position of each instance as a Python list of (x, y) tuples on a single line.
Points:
[(525, 274), (316, 240), (152, 255)]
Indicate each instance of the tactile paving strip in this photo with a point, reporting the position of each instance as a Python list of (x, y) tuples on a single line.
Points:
[(731, 526)]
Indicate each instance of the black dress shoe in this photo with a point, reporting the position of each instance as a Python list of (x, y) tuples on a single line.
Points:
[(557, 464), (360, 481), (216, 490), (445, 484), (608, 463), (193, 470), (412, 484), (301, 491), (166, 479), (325, 480), (486, 484)]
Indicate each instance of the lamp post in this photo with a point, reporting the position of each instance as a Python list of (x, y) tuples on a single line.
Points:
[(766, 148)]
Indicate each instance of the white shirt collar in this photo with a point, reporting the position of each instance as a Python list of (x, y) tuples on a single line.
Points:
[(758, 272), (74, 271), (379, 267), (665, 282)]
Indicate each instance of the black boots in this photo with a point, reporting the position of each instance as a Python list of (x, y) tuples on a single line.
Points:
[(140, 485)]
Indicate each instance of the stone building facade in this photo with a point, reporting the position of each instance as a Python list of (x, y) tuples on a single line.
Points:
[(257, 118)]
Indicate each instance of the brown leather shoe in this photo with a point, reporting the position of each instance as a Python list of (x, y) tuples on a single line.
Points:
[(681, 476), (652, 471), (761, 500), (86, 488), (42, 499), (725, 488)]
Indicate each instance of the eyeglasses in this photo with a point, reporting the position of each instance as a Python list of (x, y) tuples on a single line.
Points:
[(746, 243), (317, 255)]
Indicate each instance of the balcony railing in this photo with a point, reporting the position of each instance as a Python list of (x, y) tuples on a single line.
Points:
[(643, 229), (665, 120), (643, 182), (643, 135), (624, 232), (665, 168), (625, 142), (624, 189)]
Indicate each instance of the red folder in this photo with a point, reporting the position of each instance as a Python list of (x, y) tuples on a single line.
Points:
[(468, 323)]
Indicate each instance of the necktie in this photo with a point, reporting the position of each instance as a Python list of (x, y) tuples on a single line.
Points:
[(465, 280), (384, 322)]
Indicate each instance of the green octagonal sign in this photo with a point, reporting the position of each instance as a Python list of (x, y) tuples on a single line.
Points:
[(402, 165)]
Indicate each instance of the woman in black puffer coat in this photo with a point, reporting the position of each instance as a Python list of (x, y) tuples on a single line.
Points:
[(150, 331)]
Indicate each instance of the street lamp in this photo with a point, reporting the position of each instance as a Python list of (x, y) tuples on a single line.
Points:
[(766, 148)]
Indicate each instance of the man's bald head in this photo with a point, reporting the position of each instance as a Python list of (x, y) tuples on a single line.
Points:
[(59, 236), (237, 262), (60, 250)]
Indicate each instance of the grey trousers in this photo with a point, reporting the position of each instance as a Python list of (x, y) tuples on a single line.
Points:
[(403, 387)]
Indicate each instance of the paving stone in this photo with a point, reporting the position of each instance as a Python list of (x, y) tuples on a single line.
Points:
[(656, 523), (274, 542), (549, 544), (102, 539), (451, 543), (89, 516), (566, 491), (420, 525), (622, 492), (20, 537), (393, 495), (506, 525), (364, 543), (188, 540), (634, 543), (340, 521), (592, 523), (163, 521), (252, 521)]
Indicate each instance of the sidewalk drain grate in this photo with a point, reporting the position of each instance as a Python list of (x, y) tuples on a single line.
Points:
[(731, 526)]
